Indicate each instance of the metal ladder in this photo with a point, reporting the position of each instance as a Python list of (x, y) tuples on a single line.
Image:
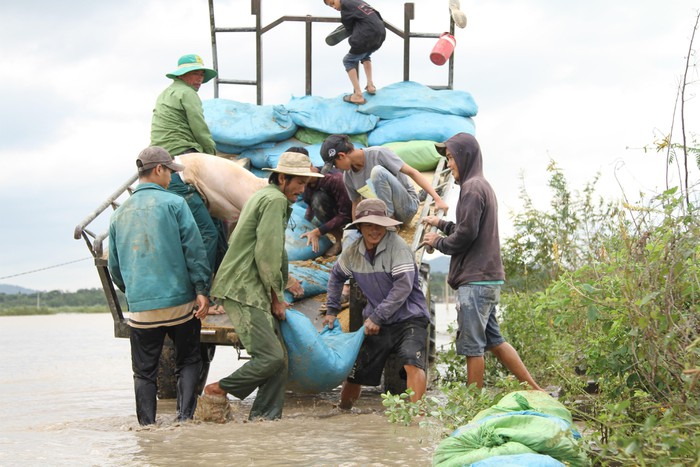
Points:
[(259, 29)]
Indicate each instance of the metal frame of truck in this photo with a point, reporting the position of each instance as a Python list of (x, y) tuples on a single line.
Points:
[(217, 329)]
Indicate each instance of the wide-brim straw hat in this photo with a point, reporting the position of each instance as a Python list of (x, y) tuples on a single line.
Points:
[(192, 62), (372, 211), (295, 163)]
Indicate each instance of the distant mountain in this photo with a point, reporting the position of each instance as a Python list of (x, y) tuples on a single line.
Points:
[(439, 263), (15, 289)]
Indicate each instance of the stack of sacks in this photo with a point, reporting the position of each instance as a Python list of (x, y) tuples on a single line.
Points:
[(411, 111), (523, 422), (404, 112)]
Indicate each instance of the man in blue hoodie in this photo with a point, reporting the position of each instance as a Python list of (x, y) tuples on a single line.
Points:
[(157, 258), (476, 270)]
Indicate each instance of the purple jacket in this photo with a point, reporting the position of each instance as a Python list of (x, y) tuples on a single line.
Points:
[(389, 281)]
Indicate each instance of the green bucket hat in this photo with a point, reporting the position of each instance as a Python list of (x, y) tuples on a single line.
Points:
[(191, 62)]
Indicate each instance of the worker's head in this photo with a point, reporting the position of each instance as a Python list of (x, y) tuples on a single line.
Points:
[(335, 4), (463, 156), (292, 173), (156, 166), (334, 152), (191, 70), (372, 220)]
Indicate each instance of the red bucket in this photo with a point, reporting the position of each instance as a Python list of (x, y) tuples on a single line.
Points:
[(443, 49)]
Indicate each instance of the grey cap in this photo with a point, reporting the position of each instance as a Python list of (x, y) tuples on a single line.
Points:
[(154, 155)]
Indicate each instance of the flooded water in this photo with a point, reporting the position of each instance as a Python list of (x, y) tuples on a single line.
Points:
[(66, 398)]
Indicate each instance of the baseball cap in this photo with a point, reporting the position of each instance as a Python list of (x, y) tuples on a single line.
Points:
[(154, 155), (331, 147)]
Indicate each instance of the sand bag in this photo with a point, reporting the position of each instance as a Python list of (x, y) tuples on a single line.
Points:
[(406, 98), (224, 184), (297, 249), (524, 432), (259, 156), (519, 460), (312, 275), (536, 401), (420, 126), (215, 409), (318, 361), (329, 115), (421, 155), (238, 124)]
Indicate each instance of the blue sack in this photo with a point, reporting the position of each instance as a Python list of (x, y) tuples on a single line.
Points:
[(329, 115), (420, 126), (313, 277), (297, 249), (519, 460), (318, 361), (240, 125), (406, 98)]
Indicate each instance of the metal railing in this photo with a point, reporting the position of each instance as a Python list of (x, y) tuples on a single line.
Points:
[(259, 29)]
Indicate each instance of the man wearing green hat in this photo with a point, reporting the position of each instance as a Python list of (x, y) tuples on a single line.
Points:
[(178, 119), (178, 126)]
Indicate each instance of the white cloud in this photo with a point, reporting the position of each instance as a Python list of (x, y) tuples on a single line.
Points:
[(578, 82)]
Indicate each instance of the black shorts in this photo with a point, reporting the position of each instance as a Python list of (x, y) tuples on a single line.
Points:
[(406, 339)]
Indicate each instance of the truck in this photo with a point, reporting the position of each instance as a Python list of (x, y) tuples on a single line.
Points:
[(217, 330)]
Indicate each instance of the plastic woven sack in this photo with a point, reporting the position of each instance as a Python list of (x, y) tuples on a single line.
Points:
[(423, 125), (312, 275), (242, 125), (318, 361), (408, 97), (421, 155), (329, 115), (297, 249), (518, 401), (519, 460), (511, 433)]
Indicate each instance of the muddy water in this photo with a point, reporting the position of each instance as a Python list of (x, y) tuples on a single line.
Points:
[(66, 398)]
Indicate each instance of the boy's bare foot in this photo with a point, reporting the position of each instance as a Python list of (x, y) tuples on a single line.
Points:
[(371, 89), (214, 389)]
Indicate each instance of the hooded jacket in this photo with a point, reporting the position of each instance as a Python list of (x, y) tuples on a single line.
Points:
[(472, 240)]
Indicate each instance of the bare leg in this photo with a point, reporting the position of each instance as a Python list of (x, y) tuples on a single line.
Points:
[(475, 371), (415, 380), (507, 355), (367, 65), (356, 91), (349, 394)]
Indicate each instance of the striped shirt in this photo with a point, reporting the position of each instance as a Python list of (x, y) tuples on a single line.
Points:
[(389, 280)]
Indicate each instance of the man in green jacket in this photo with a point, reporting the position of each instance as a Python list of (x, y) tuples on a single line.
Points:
[(178, 125), (251, 283), (156, 257)]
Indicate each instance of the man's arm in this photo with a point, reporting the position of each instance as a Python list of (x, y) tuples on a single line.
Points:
[(423, 183), (193, 250), (113, 260), (339, 274), (269, 247)]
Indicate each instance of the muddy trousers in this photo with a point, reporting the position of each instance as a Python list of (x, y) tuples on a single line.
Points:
[(266, 370), (146, 347)]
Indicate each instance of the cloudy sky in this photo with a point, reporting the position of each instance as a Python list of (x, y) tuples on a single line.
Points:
[(587, 84)]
